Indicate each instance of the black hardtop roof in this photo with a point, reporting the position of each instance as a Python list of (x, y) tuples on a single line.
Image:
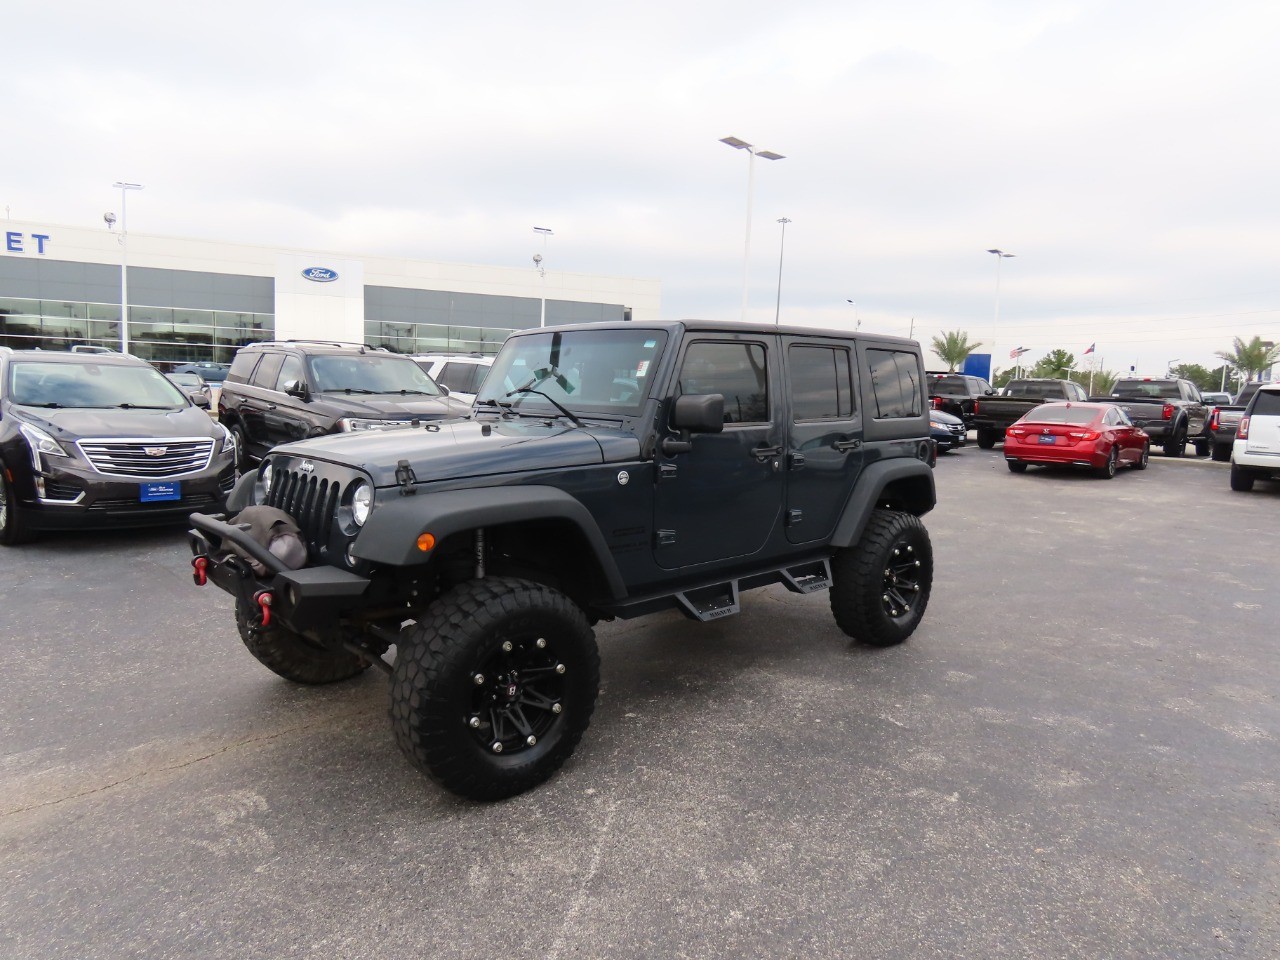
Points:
[(720, 326)]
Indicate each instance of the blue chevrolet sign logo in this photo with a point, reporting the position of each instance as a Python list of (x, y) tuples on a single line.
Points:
[(320, 274)]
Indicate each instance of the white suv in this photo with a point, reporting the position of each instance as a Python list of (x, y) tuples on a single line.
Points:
[(1255, 455), (461, 373)]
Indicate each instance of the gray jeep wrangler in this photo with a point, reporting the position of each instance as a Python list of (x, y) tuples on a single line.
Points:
[(607, 471)]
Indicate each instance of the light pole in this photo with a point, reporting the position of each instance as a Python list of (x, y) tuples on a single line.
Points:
[(124, 189), (782, 245), (752, 153), (1000, 255), (1169, 366), (537, 262), (856, 322)]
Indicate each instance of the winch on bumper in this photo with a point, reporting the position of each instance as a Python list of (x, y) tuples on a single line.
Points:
[(306, 600)]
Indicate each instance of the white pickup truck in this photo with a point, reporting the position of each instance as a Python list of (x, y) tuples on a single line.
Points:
[(1255, 454)]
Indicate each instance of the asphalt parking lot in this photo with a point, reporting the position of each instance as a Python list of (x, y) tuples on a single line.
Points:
[(1075, 756)]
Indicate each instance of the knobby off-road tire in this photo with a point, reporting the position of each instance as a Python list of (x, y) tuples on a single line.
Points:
[(1144, 458), (1241, 479), (494, 686), (294, 657), (1108, 471), (880, 585), (987, 438), (1176, 444), (14, 525)]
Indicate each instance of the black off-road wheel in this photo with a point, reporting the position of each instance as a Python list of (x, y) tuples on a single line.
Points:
[(1108, 470), (494, 687), (987, 438), (1144, 458), (293, 656), (880, 585), (14, 526), (1176, 445)]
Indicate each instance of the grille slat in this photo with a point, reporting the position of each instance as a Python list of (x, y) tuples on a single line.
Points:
[(312, 504), (129, 458)]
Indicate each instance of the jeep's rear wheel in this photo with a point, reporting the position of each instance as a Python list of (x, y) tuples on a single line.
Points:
[(14, 526), (293, 656), (881, 584), (494, 687)]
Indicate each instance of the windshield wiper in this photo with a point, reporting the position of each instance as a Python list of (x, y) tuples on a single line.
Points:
[(349, 390), (142, 406), (554, 402), (51, 405)]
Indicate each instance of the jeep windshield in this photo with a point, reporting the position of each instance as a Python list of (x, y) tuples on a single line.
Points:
[(36, 383), (586, 371), (371, 373)]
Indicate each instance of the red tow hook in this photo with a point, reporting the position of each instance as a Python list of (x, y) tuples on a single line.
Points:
[(200, 570), (264, 600)]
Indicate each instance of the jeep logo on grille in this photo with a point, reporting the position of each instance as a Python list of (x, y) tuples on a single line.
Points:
[(155, 451), (307, 466)]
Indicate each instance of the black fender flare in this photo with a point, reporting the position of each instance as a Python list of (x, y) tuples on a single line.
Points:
[(913, 491), (391, 533)]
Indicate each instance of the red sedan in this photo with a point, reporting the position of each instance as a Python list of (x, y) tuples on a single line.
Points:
[(1095, 435)]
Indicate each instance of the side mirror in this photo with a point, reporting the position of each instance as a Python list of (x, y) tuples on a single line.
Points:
[(443, 389), (297, 388), (695, 413), (699, 413)]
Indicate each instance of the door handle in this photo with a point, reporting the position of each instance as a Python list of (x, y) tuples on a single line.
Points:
[(846, 445), (764, 453)]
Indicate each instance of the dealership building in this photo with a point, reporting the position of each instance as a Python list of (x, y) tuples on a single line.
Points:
[(191, 299)]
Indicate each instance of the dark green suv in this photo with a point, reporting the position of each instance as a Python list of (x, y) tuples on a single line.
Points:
[(608, 471)]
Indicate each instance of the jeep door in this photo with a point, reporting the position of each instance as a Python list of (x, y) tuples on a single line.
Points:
[(824, 449), (722, 498)]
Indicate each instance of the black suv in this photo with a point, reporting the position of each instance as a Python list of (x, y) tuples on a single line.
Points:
[(90, 439), (281, 391), (955, 393), (608, 470)]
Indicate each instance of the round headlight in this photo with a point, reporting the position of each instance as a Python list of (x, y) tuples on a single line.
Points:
[(361, 503), (265, 477)]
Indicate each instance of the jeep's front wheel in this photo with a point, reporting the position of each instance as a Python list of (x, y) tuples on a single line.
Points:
[(494, 687), (880, 585), (293, 656)]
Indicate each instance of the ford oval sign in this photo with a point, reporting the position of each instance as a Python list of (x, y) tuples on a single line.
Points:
[(320, 274)]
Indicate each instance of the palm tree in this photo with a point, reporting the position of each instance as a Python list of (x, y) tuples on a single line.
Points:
[(952, 348), (1250, 358)]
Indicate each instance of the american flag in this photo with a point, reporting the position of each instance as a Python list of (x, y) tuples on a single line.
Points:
[(1017, 352)]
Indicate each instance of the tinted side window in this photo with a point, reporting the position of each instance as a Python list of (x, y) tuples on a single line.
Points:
[(895, 383), (265, 375), (459, 376), (738, 371), (1266, 404), (821, 386), (242, 366), (292, 369)]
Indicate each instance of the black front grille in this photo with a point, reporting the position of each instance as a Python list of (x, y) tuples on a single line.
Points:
[(61, 490), (134, 505), (312, 503)]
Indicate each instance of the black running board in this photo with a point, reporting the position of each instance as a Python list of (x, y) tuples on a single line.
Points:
[(720, 598)]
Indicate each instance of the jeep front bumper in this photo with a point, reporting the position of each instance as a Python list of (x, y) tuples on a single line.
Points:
[(307, 600)]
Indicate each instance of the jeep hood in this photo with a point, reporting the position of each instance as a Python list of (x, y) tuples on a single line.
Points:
[(468, 448)]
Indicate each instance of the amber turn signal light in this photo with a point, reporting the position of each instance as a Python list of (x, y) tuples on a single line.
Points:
[(426, 542)]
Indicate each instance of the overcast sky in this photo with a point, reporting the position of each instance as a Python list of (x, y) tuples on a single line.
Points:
[(1128, 153)]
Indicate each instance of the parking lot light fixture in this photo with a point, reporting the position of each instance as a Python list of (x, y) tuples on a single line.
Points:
[(782, 246), (124, 189), (856, 321), (542, 273), (999, 255), (752, 153)]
